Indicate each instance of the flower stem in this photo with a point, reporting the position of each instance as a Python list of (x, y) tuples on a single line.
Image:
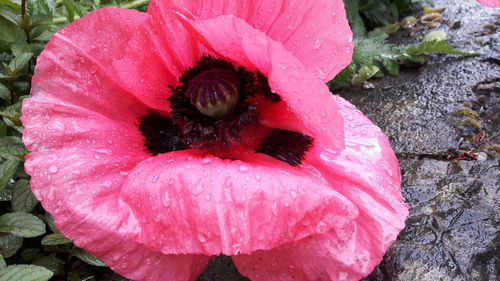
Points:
[(23, 8)]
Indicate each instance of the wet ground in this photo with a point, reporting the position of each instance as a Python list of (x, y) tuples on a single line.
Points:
[(442, 120)]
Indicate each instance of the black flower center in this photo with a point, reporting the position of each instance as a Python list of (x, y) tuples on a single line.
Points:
[(214, 102)]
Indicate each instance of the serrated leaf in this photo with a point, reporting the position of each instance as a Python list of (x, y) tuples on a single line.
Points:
[(2, 262), (7, 170), (55, 239), (17, 64), (435, 46), (25, 272), (9, 244), (86, 257), (51, 263), (23, 199), (22, 224), (4, 93)]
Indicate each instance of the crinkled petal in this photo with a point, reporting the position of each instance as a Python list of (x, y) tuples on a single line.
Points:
[(109, 43), (81, 188), (316, 32), (81, 128), (490, 3), (206, 205), (367, 173)]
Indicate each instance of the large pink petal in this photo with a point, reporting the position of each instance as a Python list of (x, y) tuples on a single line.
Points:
[(81, 126), (367, 173), (110, 44), (316, 32), (81, 188), (202, 204), (490, 3)]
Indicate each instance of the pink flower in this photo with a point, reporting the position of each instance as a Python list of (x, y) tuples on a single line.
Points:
[(161, 139), (490, 3)]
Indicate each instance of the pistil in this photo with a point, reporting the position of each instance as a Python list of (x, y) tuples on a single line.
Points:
[(215, 92)]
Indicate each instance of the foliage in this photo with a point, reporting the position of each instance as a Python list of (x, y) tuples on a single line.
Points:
[(373, 55), (31, 248)]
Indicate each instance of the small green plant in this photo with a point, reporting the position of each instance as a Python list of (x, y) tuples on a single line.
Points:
[(373, 55)]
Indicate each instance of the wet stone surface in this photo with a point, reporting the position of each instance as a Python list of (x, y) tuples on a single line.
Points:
[(452, 230)]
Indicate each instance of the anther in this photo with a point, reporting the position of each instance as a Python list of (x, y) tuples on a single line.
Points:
[(215, 92)]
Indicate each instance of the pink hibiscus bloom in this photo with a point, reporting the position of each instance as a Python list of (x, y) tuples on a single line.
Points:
[(490, 3), (161, 139)]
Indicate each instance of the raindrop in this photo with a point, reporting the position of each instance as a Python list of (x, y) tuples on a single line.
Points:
[(198, 190), (202, 238), (243, 169), (53, 169), (206, 160), (317, 44), (293, 194)]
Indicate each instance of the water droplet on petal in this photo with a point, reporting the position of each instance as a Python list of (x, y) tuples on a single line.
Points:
[(243, 169), (53, 169)]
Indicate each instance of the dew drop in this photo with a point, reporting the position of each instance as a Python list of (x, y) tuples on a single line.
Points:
[(53, 169), (243, 169), (202, 238), (206, 161), (317, 44), (198, 190)]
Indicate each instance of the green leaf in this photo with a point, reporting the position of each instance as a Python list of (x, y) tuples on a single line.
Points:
[(11, 32), (55, 239), (435, 46), (22, 224), (49, 220), (17, 64), (86, 257), (7, 170), (10, 15), (30, 254), (9, 244), (11, 147), (51, 263), (4, 93), (2, 262), (11, 116), (41, 7), (365, 73), (25, 273), (72, 10), (23, 199), (16, 4)]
